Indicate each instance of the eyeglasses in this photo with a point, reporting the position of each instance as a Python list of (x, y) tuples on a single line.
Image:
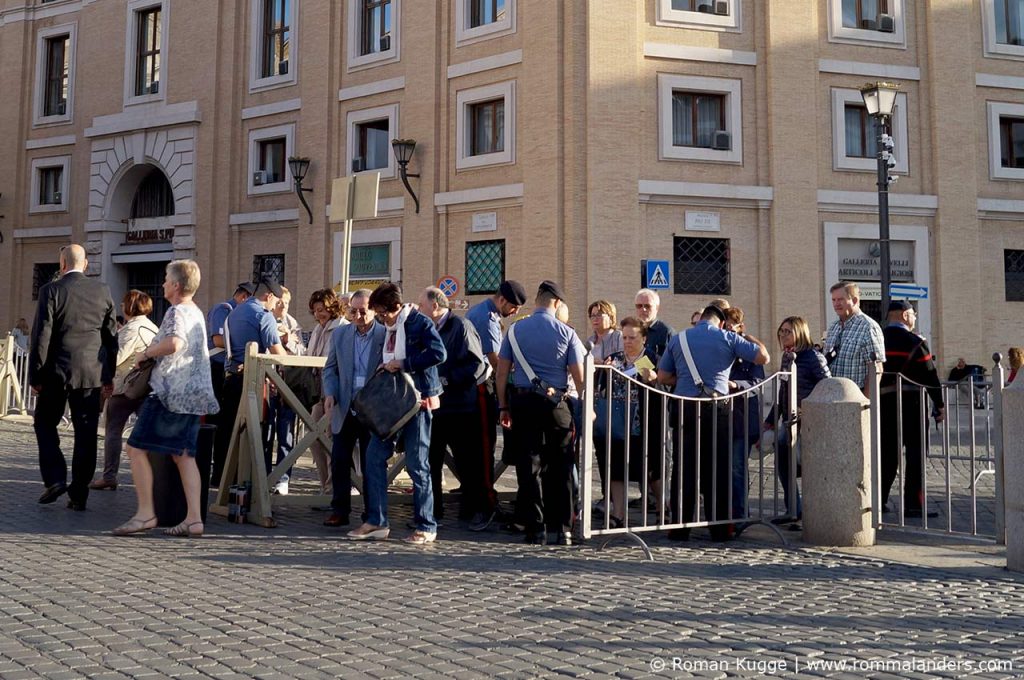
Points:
[(601, 315), (643, 306)]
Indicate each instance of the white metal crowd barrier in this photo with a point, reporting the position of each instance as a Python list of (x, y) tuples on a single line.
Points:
[(677, 440), (956, 463), (15, 394)]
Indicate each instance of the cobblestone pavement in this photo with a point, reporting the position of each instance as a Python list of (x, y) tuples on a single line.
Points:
[(301, 602)]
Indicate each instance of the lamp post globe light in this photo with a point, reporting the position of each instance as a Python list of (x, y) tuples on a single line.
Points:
[(880, 101)]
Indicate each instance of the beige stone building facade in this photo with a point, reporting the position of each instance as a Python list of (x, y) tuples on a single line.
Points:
[(564, 139)]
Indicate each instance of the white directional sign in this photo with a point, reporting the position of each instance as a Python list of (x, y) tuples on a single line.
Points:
[(908, 291)]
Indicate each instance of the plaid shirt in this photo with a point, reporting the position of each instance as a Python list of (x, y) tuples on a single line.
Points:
[(855, 342)]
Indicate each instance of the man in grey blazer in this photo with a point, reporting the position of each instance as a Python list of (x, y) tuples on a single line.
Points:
[(355, 353), (73, 356)]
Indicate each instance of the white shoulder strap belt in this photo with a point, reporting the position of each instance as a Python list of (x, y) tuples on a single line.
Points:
[(694, 373), (530, 375)]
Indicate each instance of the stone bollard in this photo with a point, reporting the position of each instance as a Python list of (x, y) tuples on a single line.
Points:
[(1013, 473), (836, 461)]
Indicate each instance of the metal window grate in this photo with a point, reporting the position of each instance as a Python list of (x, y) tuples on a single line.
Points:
[(702, 266), (42, 274), (1013, 268), (485, 266), (268, 265)]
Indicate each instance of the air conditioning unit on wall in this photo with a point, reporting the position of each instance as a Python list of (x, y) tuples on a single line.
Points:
[(259, 178)]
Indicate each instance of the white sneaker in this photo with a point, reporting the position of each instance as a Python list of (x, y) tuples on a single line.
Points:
[(281, 488)]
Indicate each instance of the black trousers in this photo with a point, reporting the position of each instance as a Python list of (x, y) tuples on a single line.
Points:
[(912, 497), (231, 395), (344, 443), (85, 417), (713, 450), (543, 462), (462, 433)]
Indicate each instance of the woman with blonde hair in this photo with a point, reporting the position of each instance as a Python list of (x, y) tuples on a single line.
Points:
[(182, 392), (1016, 357), (607, 339)]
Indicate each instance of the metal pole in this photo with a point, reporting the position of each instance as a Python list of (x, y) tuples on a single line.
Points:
[(885, 264), (346, 246)]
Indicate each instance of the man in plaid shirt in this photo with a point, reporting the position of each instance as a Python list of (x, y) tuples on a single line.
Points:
[(854, 340)]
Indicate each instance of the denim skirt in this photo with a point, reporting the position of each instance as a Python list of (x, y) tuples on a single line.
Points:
[(161, 431)]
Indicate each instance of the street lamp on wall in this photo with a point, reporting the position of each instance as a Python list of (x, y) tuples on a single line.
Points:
[(880, 101), (299, 166), (403, 149)]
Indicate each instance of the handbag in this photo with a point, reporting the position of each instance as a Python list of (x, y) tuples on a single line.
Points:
[(136, 382), (304, 382), (387, 402)]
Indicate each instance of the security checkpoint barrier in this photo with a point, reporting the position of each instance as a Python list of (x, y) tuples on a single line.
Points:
[(961, 475), (672, 432), (15, 394)]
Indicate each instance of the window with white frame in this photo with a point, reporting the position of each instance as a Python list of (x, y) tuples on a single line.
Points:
[(1006, 140), (482, 19), (370, 132), (1004, 28), (485, 132), (373, 32), (49, 184), (855, 133), (880, 23), (718, 15), (700, 118), (146, 51), (273, 43), (55, 64), (269, 150)]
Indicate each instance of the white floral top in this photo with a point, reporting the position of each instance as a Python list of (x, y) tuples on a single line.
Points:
[(182, 380)]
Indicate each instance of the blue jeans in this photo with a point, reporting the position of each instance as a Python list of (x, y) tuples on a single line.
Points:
[(280, 421), (416, 435), (782, 470)]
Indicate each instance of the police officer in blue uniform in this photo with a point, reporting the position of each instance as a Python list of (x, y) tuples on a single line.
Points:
[(540, 416), (251, 321), (713, 351)]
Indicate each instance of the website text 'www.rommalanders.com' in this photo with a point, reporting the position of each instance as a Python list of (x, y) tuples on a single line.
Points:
[(786, 666)]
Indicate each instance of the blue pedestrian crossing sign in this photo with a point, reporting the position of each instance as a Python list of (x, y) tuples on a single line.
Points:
[(656, 274)]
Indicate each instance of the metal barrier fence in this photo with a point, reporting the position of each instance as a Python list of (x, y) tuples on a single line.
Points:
[(15, 394), (707, 440), (943, 477)]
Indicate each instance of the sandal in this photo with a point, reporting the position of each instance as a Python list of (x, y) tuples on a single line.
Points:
[(185, 530), (135, 526)]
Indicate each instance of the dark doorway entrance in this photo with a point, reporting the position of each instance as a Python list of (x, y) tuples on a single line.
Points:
[(149, 278)]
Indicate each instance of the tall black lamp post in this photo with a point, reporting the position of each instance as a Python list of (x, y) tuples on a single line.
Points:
[(880, 100), (299, 166), (403, 149)]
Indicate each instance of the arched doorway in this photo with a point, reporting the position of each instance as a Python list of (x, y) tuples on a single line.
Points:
[(149, 228)]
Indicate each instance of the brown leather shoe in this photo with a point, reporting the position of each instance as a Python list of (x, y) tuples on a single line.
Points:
[(101, 484), (336, 520)]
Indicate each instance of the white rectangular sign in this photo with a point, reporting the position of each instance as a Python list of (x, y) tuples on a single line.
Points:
[(703, 221), (485, 222)]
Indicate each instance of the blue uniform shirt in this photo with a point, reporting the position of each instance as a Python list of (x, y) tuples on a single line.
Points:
[(250, 322), (486, 318), (548, 345), (215, 326), (713, 351)]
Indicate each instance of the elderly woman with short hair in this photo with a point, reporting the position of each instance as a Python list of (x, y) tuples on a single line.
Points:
[(326, 308), (168, 421)]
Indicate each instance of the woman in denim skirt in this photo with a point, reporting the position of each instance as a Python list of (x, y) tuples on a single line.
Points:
[(168, 421)]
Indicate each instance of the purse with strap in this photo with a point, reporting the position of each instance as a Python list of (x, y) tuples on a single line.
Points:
[(387, 402), (136, 382)]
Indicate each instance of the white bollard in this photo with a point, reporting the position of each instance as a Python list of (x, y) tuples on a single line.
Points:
[(1013, 473), (836, 461)]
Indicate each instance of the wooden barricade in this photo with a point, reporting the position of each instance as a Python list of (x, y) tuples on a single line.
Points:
[(9, 382)]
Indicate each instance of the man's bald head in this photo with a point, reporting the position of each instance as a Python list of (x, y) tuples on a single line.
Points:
[(72, 257)]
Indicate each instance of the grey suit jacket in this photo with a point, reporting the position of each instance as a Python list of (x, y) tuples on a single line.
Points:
[(74, 337), (339, 373)]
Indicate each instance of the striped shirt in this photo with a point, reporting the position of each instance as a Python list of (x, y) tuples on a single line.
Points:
[(854, 342)]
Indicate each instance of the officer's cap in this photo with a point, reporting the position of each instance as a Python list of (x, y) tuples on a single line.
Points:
[(271, 284), (716, 310), (247, 287), (900, 306), (513, 292), (551, 288)]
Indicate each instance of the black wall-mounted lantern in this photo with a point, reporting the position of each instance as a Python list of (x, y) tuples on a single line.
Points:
[(299, 166), (404, 149)]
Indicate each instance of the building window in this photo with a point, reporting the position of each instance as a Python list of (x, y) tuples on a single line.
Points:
[(55, 100), (276, 33), (370, 132), (700, 119), (146, 58), (1006, 140), (486, 126), (1009, 20), (49, 184), (370, 262), (55, 64), (482, 19), (485, 266), (716, 15), (1013, 269), (879, 23), (1011, 141), (701, 266), (271, 266), (855, 133), (154, 197), (269, 149), (373, 32), (42, 274)]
